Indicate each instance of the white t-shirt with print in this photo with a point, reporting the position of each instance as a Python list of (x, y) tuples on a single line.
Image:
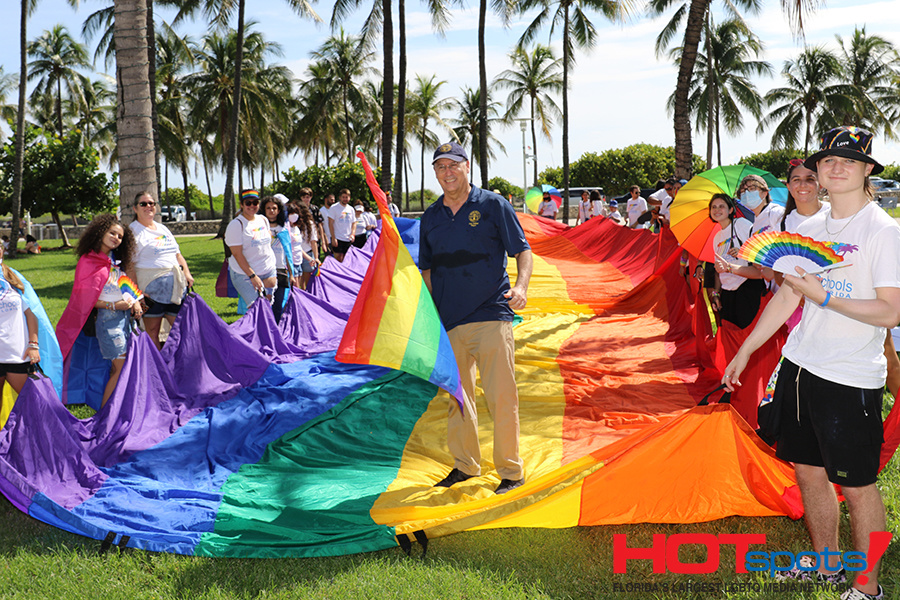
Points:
[(732, 237), (634, 208), (256, 242), (13, 327), (548, 209), (793, 220), (769, 219), (156, 248), (344, 216), (826, 343)]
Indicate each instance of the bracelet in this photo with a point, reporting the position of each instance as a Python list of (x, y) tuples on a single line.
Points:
[(714, 294), (684, 261), (827, 300), (34, 345)]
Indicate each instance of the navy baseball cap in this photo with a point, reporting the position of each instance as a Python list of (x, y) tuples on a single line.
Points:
[(453, 151)]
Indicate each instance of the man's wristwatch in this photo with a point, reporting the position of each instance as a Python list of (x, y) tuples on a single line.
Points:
[(252, 275)]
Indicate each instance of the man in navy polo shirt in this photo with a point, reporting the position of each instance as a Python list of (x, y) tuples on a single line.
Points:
[(466, 236)]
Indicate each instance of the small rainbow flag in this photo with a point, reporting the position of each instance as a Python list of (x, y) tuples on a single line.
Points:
[(394, 322), (784, 250), (129, 287)]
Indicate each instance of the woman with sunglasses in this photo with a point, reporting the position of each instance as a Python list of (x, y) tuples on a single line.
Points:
[(159, 268), (252, 261)]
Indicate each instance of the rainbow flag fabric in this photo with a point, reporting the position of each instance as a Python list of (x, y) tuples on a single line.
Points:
[(394, 322)]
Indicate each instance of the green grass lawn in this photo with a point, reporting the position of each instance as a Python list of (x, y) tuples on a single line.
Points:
[(39, 561)]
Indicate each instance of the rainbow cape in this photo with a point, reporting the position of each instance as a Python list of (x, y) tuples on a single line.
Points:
[(394, 322)]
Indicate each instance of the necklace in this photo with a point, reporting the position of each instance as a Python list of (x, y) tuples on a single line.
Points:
[(838, 232)]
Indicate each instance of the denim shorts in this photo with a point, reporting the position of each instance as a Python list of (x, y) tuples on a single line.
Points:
[(113, 330), (158, 294), (244, 287)]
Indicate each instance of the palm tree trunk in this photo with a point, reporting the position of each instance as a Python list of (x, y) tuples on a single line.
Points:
[(422, 167), (483, 104), (228, 206), (347, 126), (565, 140), (187, 195), (59, 122), (151, 73), (387, 97), (134, 123), (711, 97), (718, 134), (401, 102), (533, 145), (683, 147), (212, 210), (18, 169)]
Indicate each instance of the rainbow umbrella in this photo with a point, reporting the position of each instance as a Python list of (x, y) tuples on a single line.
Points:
[(689, 213), (534, 196)]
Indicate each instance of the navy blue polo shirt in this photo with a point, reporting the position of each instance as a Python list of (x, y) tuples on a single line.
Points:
[(466, 254)]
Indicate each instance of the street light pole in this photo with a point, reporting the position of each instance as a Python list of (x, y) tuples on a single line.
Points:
[(525, 157)]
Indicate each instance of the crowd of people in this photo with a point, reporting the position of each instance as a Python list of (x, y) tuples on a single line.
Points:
[(828, 333)]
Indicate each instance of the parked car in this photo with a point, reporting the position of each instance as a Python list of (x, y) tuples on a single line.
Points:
[(178, 213), (887, 192)]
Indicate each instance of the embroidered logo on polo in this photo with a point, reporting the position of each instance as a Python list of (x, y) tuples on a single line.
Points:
[(474, 218)]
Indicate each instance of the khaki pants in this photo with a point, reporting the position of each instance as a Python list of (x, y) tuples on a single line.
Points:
[(490, 345)]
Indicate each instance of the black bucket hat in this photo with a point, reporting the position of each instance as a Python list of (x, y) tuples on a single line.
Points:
[(849, 142)]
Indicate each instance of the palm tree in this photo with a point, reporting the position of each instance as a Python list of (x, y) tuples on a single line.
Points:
[(870, 65), (317, 129), (134, 114), (220, 12), (693, 14), (26, 8), (8, 83), (504, 9), (57, 56), (534, 76), (424, 104), (348, 59), (721, 84), (808, 103), (94, 115), (467, 124), (577, 29)]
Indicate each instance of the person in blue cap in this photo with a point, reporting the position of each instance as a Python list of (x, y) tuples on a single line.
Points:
[(466, 236)]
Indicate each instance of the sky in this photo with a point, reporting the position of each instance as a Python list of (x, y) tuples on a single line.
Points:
[(618, 90)]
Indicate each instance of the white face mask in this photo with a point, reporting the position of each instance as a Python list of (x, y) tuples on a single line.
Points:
[(293, 217), (751, 199)]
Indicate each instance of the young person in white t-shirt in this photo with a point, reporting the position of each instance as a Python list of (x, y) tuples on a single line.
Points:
[(19, 348), (304, 242), (341, 225), (635, 207), (832, 378), (273, 209), (252, 261), (547, 208)]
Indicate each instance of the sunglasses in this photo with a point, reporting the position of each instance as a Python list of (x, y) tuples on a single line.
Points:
[(146, 204), (251, 202), (795, 162)]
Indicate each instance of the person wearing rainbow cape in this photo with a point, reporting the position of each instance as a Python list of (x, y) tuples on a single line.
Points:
[(105, 253), (832, 377)]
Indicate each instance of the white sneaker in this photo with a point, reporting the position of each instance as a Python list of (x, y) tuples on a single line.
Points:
[(855, 594)]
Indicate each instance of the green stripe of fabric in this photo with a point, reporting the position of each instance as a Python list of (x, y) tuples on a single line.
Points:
[(311, 493), (424, 339)]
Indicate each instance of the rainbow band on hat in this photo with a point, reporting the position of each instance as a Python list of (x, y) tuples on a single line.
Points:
[(249, 194)]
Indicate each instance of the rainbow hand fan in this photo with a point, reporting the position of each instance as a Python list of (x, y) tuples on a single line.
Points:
[(129, 287), (782, 251)]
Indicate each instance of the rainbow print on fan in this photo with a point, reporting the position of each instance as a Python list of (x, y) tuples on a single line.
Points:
[(782, 251), (129, 287)]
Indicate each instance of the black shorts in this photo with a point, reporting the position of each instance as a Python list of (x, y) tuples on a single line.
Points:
[(741, 305), (342, 247), (157, 310), (839, 426), (360, 240), (25, 368)]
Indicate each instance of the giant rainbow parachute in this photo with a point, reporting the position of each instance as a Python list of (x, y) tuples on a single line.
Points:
[(250, 440)]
